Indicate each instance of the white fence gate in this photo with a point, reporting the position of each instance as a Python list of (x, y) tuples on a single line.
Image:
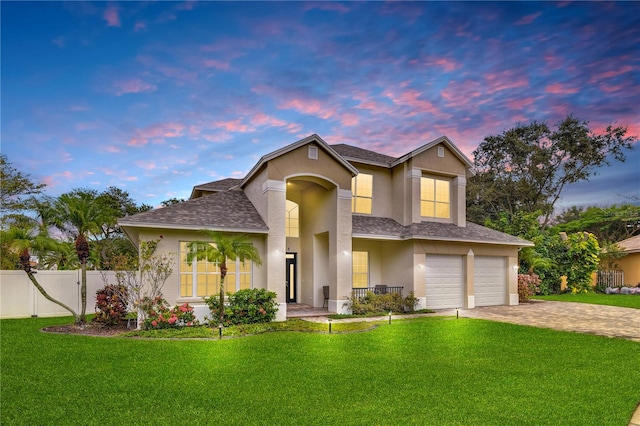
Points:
[(20, 299)]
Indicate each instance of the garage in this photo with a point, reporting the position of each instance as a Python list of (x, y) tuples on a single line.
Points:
[(490, 280), (445, 281)]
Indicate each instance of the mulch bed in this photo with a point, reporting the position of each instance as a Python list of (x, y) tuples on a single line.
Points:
[(90, 329)]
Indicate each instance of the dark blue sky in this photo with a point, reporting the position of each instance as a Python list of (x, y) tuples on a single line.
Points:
[(156, 97)]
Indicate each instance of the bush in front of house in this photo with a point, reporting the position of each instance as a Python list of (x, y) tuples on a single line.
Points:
[(160, 315), (111, 304), (528, 285), (249, 306), (373, 303)]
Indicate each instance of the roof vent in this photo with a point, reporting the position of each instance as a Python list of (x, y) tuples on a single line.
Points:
[(441, 151), (313, 152)]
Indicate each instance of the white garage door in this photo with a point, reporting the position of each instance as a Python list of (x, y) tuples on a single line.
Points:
[(445, 282), (490, 280)]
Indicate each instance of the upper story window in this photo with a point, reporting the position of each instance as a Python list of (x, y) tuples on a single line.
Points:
[(292, 225), (362, 188), (435, 198)]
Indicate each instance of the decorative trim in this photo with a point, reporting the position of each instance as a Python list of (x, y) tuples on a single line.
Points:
[(274, 185), (345, 194), (414, 174)]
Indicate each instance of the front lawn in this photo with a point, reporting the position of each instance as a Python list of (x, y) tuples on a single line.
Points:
[(424, 371), (623, 300)]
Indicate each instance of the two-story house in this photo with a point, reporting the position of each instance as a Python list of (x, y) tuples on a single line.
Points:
[(344, 217)]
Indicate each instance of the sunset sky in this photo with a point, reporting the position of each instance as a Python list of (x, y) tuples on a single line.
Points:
[(156, 97)]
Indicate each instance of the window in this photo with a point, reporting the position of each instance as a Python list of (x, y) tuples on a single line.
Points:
[(360, 269), (362, 187), (292, 225), (435, 198), (202, 278)]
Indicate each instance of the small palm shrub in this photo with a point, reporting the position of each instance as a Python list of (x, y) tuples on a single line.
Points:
[(249, 306), (111, 304), (160, 315)]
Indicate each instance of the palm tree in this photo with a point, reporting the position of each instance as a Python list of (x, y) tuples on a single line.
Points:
[(80, 213), (221, 248), (22, 240)]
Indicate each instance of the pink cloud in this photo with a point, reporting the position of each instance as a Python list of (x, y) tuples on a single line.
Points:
[(611, 73), (232, 126), (111, 15), (607, 88), (560, 89), (213, 63), (146, 165), (504, 80), (113, 149), (349, 119), (157, 133), (411, 98), (526, 20), (134, 85), (261, 119), (520, 103), (307, 106)]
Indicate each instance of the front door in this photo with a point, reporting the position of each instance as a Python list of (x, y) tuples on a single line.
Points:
[(291, 277)]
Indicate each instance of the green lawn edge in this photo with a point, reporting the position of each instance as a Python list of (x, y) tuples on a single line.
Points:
[(429, 370), (621, 300)]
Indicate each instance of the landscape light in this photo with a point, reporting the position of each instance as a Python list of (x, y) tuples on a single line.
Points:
[(220, 330), (390, 317), (329, 325)]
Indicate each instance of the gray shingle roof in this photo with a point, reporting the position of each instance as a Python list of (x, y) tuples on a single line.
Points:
[(219, 185), (354, 153), (381, 227), (223, 210)]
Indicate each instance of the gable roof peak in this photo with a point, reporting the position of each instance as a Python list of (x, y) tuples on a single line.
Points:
[(313, 138)]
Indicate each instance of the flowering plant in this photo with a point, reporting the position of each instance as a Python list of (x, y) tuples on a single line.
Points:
[(528, 285), (159, 315)]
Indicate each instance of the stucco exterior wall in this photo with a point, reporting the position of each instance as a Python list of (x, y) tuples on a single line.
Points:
[(630, 264), (170, 243), (450, 164), (382, 189), (297, 162), (254, 190)]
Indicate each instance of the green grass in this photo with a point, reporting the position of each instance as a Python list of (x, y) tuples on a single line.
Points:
[(623, 300), (425, 371)]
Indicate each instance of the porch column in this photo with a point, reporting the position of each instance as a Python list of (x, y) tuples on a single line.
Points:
[(469, 287), (340, 246), (275, 193), (512, 280)]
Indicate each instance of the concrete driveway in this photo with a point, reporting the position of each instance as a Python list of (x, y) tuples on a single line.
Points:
[(602, 320)]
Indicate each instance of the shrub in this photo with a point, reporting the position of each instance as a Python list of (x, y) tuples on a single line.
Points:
[(247, 306), (111, 304), (159, 315), (372, 303), (528, 285)]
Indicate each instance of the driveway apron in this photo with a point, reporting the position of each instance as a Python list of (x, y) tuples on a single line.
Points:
[(610, 321)]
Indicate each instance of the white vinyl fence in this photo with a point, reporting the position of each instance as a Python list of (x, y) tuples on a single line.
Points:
[(20, 299)]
